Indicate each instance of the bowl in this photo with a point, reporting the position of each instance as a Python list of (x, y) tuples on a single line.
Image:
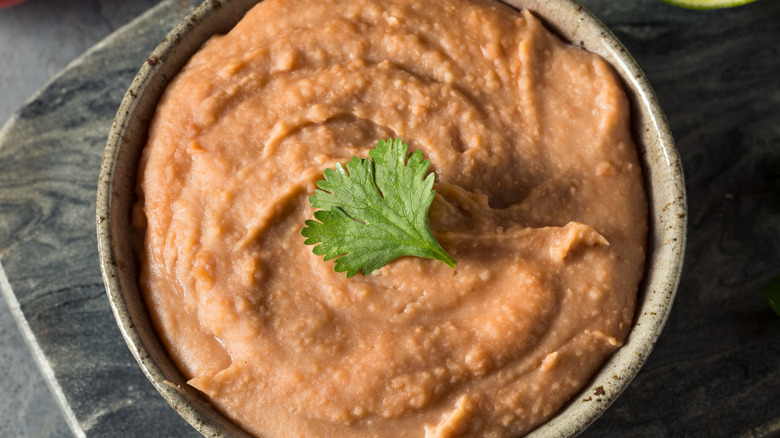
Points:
[(116, 195)]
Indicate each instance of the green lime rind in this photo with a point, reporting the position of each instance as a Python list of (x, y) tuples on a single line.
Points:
[(771, 293), (707, 4)]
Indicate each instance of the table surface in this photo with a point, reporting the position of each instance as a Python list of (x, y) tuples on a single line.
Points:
[(37, 40), (712, 373)]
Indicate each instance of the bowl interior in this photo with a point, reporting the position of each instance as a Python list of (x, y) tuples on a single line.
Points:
[(116, 195)]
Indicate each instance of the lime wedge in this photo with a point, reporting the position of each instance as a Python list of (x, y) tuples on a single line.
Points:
[(771, 293), (707, 4)]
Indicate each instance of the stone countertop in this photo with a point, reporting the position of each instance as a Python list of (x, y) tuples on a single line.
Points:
[(37, 40), (712, 373)]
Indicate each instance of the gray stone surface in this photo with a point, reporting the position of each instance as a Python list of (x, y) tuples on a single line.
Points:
[(38, 39), (714, 369), (27, 408)]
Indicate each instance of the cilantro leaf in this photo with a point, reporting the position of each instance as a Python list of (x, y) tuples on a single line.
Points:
[(374, 211)]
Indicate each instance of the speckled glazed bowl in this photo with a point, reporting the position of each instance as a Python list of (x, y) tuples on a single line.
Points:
[(116, 195)]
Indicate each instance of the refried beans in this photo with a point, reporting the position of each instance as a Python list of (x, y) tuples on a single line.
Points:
[(540, 199)]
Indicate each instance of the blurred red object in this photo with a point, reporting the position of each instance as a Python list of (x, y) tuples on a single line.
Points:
[(6, 3)]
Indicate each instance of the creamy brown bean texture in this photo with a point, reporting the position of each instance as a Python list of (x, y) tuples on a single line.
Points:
[(540, 199)]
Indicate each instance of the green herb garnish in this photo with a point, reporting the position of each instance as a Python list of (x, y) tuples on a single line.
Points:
[(374, 211), (771, 293)]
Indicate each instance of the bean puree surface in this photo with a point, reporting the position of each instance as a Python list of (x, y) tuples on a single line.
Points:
[(540, 199)]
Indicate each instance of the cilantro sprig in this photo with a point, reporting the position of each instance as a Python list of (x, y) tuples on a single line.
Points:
[(374, 211)]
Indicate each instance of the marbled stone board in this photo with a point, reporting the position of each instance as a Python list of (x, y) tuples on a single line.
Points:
[(49, 162), (715, 369)]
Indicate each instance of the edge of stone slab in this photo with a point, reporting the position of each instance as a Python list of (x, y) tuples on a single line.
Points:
[(40, 359), (44, 366), (109, 39)]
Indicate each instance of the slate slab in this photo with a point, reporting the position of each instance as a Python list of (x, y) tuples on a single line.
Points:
[(50, 154)]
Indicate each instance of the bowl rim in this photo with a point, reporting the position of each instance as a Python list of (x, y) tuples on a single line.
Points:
[(568, 19)]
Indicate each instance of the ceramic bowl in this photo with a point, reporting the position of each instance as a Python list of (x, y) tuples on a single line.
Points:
[(116, 195)]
